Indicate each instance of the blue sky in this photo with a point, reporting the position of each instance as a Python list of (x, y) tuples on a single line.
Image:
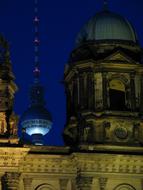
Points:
[(60, 21)]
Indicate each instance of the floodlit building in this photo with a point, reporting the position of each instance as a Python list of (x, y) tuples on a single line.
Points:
[(104, 125)]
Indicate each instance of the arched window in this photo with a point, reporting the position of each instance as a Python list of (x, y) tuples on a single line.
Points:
[(44, 187), (124, 187), (117, 95)]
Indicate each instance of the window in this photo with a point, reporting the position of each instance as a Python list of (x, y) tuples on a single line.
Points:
[(44, 187), (124, 187), (117, 95)]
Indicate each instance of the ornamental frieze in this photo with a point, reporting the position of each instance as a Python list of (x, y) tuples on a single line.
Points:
[(47, 164), (110, 163)]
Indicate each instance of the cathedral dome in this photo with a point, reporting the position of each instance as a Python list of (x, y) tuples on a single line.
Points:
[(106, 25)]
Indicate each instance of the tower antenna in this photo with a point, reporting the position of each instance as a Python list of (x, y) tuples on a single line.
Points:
[(105, 5), (36, 42)]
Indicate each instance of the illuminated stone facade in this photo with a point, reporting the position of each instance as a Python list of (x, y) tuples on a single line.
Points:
[(103, 132), (104, 95), (55, 168), (8, 120)]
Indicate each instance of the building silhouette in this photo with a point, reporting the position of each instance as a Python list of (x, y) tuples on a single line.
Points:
[(103, 132)]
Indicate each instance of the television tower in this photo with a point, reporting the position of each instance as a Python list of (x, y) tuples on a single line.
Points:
[(36, 120)]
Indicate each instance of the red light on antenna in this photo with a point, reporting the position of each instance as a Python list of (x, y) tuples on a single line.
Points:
[(36, 41), (36, 70), (36, 19)]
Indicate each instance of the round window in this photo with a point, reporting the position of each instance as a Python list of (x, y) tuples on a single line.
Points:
[(121, 132)]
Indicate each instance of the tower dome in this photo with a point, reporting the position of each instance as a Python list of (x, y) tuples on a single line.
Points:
[(36, 120), (106, 25)]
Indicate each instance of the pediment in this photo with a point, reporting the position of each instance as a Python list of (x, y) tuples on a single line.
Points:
[(121, 57)]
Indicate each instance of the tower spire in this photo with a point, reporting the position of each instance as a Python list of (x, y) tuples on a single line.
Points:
[(36, 42), (105, 5)]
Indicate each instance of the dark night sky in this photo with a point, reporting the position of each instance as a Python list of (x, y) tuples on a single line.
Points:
[(60, 23)]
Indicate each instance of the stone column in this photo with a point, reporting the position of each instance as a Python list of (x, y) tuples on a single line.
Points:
[(75, 96), (84, 183), (1, 178), (68, 100), (11, 181), (80, 91), (63, 184), (102, 182), (132, 86), (141, 95), (90, 91), (85, 90), (105, 97), (73, 184), (27, 183)]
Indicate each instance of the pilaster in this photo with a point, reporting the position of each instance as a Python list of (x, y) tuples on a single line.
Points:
[(63, 184), (81, 91), (11, 181), (102, 183), (104, 76), (90, 91), (141, 95), (132, 86), (75, 95), (27, 182), (68, 100), (84, 183), (1, 178)]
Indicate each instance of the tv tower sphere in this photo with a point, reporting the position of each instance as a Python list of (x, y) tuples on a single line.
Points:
[(36, 120)]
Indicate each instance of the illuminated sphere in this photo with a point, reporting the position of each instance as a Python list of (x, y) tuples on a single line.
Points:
[(36, 120), (106, 25)]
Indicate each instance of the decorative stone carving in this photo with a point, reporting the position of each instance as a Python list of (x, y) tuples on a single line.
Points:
[(98, 91), (63, 184), (13, 124), (27, 183), (106, 126), (84, 183), (121, 132), (136, 128), (88, 132), (3, 124), (11, 181), (102, 182)]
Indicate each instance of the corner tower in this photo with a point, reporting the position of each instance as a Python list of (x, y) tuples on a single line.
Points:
[(104, 85), (8, 120)]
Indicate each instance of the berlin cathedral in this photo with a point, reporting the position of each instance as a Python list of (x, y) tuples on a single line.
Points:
[(103, 132)]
